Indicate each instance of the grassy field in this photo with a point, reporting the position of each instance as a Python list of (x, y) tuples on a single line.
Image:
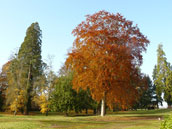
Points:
[(118, 120)]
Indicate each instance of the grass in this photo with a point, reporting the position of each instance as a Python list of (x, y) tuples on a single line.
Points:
[(142, 119)]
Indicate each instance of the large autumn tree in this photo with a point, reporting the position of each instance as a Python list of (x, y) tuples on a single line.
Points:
[(105, 57)]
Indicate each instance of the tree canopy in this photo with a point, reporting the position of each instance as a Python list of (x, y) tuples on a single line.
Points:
[(105, 56)]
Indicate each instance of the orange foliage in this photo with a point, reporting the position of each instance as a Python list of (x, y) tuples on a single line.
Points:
[(105, 56)]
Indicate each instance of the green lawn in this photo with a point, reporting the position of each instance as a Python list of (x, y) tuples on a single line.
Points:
[(119, 120)]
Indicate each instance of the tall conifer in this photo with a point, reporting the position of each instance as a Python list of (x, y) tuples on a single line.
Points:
[(162, 76), (30, 60)]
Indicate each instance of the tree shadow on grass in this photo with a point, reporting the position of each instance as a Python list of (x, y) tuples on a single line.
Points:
[(81, 115), (72, 122), (65, 124)]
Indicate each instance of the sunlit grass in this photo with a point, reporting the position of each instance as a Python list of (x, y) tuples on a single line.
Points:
[(141, 119)]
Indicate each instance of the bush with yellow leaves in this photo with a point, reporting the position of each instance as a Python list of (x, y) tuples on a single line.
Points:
[(44, 103), (18, 102)]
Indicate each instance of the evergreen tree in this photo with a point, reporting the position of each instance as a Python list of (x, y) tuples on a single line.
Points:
[(159, 79), (84, 101), (163, 77), (157, 88), (148, 97), (30, 63), (168, 84), (63, 97)]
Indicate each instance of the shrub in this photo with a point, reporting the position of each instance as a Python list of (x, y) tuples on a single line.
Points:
[(167, 124)]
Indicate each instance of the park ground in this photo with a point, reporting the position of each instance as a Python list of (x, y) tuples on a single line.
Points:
[(141, 119)]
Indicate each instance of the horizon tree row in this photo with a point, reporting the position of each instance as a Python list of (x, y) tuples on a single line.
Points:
[(103, 65)]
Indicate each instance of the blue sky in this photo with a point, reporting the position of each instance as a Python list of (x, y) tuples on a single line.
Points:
[(57, 19)]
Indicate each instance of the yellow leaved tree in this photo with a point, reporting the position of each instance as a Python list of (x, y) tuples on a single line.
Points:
[(18, 103)]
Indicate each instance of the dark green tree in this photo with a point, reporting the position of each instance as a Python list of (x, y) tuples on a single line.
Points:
[(84, 101), (30, 59), (148, 98), (63, 97)]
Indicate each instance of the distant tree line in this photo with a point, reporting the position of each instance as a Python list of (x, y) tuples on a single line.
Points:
[(102, 71)]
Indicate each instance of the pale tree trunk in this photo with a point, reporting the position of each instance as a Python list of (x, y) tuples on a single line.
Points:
[(15, 112), (103, 106)]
